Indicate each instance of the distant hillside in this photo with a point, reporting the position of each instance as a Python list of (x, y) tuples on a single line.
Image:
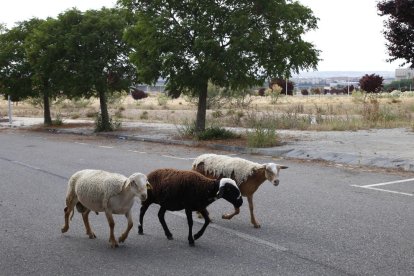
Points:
[(350, 74)]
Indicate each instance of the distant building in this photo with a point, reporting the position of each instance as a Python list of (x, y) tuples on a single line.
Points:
[(404, 73)]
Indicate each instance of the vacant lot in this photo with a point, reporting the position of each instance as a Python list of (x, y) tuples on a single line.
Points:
[(322, 112)]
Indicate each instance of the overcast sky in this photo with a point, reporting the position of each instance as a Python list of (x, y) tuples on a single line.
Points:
[(349, 34)]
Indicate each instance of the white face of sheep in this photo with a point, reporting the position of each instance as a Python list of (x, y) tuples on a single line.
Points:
[(272, 172), (229, 190), (139, 185)]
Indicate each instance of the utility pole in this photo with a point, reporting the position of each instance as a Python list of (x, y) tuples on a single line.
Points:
[(10, 111)]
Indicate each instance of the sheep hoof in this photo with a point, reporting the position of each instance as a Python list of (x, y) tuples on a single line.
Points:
[(65, 229), (191, 243), (114, 245), (92, 235), (197, 236), (257, 226), (140, 230), (170, 237)]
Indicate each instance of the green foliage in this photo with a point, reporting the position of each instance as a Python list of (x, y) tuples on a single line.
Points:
[(188, 130), (401, 85), (232, 44), (399, 30), (58, 121), (262, 137), (101, 125), (15, 69), (216, 133), (162, 99)]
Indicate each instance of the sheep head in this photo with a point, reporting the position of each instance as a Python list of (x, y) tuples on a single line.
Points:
[(272, 172), (139, 185), (229, 190)]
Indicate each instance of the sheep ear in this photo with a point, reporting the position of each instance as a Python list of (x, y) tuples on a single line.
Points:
[(283, 167), (149, 187)]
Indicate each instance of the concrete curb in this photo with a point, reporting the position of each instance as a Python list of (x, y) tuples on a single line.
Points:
[(276, 152)]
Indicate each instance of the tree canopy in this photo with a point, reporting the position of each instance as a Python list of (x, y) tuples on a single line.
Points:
[(78, 54), (399, 29), (371, 83), (15, 70), (232, 44)]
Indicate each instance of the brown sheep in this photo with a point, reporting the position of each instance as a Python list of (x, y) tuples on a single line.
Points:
[(176, 190)]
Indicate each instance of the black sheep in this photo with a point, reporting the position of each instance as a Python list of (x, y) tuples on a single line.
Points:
[(176, 190)]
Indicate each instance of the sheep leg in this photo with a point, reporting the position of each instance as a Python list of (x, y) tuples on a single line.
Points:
[(189, 214), (111, 223), (143, 209), (229, 216), (204, 213), (161, 214), (68, 210), (123, 237), (85, 217), (252, 218)]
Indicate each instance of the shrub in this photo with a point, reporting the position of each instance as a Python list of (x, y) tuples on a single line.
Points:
[(138, 94), (262, 91), (99, 125), (216, 133), (187, 130), (262, 137), (274, 93), (144, 115), (304, 92), (162, 99), (371, 83), (217, 114)]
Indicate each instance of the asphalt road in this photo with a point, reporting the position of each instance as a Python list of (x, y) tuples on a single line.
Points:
[(321, 220)]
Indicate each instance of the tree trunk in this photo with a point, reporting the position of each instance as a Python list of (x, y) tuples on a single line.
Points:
[(47, 118), (106, 126), (202, 108)]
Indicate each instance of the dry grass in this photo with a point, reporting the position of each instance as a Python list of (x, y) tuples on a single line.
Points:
[(325, 112)]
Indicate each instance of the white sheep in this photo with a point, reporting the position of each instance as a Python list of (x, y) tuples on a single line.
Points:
[(101, 191), (248, 175)]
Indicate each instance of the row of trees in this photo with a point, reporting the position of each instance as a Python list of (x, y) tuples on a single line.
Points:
[(77, 54), (231, 44)]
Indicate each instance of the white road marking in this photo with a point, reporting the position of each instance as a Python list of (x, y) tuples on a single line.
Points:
[(239, 234), (25, 165), (79, 143), (382, 190), (135, 151), (181, 158), (371, 186), (106, 147), (388, 183)]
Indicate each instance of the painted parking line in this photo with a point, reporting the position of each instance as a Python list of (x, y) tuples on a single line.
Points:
[(375, 186)]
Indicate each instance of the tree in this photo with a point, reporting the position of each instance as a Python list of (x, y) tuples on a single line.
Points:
[(399, 29), (45, 52), (371, 83), (15, 70), (232, 44), (96, 59)]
